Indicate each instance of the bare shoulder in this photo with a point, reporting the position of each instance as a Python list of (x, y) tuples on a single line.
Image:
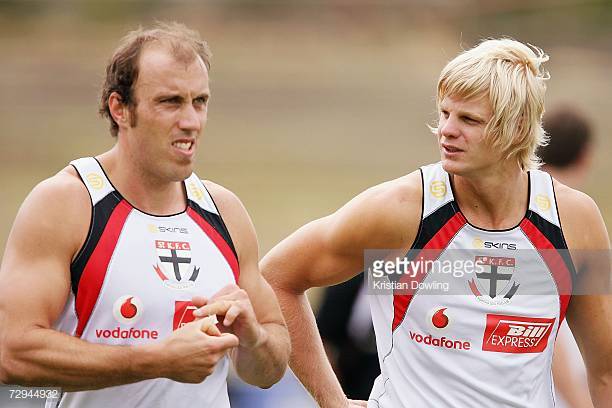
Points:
[(386, 215), (226, 200), (581, 219), (57, 209), (235, 216)]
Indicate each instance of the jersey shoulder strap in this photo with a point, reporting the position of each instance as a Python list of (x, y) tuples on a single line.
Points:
[(94, 178), (542, 197), (197, 192), (437, 190)]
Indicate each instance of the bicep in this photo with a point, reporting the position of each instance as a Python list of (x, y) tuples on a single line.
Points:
[(35, 270), (590, 310), (315, 255)]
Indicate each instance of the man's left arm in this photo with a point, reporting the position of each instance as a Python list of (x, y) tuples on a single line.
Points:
[(590, 311), (250, 309)]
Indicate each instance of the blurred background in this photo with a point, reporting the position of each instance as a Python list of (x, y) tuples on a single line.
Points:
[(313, 101)]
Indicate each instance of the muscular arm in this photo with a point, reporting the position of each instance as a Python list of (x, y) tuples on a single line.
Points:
[(261, 359), (47, 233), (590, 311), (329, 251)]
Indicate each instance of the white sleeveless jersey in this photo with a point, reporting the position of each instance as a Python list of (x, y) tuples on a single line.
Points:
[(490, 343), (132, 283)]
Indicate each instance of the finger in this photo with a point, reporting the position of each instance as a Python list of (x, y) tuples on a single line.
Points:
[(232, 314), (208, 325), (199, 301), (216, 308), (225, 291), (226, 341), (358, 403)]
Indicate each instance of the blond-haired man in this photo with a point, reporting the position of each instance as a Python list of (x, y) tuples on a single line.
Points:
[(468, 338), (110, 258)]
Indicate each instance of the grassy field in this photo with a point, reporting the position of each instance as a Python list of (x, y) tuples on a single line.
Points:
[(306, 112)]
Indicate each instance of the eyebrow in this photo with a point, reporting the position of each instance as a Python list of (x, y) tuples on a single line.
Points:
[(468, 114), (170, 95)]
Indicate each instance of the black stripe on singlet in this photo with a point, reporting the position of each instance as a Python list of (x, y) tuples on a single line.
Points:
[(433, 223), (100, 213), (555, 236), (215, 221)]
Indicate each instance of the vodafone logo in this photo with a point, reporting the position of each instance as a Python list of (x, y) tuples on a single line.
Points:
[(127, 309), (438, 318)]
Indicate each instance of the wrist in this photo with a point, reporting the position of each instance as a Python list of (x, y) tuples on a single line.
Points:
[(260, 339), (146, 362)]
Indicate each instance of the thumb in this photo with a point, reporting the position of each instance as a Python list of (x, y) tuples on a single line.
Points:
[(227, 340), (208, 325)]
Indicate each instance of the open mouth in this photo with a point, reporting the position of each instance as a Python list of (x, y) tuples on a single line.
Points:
[(450, 149), (183, 146)]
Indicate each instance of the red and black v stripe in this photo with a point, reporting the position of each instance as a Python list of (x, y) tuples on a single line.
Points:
[(435, 233), (548, 240), (213, 226)]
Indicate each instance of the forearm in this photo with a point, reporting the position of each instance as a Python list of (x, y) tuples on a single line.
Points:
[(601, 390), (264, 365), (308, 359), (45, 357)]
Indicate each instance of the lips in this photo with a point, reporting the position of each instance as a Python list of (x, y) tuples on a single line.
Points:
[(184, 145), (450, 148)]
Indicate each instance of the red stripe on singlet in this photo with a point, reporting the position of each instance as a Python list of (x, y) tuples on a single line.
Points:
[(218, 240), (555, 263), (97, 265), (430, 252)]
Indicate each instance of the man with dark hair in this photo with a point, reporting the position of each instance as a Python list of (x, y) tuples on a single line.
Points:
[(568, 157), (111, 258)]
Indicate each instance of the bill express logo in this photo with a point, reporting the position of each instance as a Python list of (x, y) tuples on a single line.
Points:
[(127, 310), (183, 313), (514, 334)]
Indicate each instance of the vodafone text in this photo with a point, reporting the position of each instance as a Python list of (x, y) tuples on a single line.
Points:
[(131, 333), (443, 342)]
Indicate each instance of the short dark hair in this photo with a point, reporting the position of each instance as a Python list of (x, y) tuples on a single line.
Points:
[(122, 68), (570, 134)]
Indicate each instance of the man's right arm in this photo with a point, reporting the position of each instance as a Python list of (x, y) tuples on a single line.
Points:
[(329, 251), (47, 233)]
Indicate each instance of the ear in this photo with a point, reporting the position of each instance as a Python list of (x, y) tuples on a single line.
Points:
[(118, 110)]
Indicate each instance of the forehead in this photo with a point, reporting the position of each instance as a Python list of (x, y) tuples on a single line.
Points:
[(479, 105), (159, 70)]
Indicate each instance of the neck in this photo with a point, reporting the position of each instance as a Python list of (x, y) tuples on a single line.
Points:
[(143, 190), (495, 200)]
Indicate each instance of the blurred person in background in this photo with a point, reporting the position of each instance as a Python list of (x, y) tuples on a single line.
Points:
[(345, 325), (109, 260), (471, 350), (568, 158)]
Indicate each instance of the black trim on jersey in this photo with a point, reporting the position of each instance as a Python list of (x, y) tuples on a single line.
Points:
[(215, 221), (100, 213), (555, 236), (431, 224), (552, 183)]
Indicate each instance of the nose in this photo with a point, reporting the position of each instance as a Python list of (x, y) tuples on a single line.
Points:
[(448, 127), (191, 119)]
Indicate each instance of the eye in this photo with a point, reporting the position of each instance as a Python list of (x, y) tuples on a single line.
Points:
[(173, 100), (201, 100), (470, 121), (444, 113)]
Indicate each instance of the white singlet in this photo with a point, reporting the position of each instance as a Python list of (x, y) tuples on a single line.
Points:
[(132, 283), (488, 341)]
